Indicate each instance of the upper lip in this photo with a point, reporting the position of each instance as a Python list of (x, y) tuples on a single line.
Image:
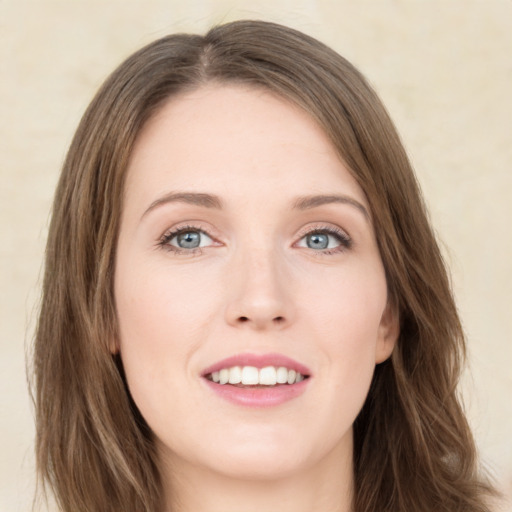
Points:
[(259, 361)]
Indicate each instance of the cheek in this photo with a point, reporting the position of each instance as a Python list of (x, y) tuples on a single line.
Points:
[(346, 320), (347, 305), (160, 306), (163, 319)]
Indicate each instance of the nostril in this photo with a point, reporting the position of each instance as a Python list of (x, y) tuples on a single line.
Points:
[(246, 319)]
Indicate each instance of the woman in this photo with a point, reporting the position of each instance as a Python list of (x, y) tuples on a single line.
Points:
[(244, 304)]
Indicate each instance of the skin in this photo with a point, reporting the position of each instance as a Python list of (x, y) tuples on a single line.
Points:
[(253, 286)]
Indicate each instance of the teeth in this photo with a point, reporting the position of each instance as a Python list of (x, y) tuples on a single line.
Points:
[(282, 375), (251, 376), (224, 376), (235, 375), (268, 376)]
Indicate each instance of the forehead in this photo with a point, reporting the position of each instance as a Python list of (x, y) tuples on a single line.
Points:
[(236, 139)]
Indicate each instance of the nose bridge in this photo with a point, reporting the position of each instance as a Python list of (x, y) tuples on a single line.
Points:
[(260, 294)]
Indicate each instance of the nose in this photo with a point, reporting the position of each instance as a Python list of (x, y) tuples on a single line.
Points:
[(260, 293)]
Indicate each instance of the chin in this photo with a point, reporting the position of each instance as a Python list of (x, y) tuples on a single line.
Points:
[(260, 466), (251, 459)]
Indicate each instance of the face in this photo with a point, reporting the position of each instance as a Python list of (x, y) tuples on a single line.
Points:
[(246, 243)]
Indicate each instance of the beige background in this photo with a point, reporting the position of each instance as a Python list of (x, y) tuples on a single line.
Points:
[(443, 68)]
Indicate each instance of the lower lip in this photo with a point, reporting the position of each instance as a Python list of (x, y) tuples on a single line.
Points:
[(258, 397)]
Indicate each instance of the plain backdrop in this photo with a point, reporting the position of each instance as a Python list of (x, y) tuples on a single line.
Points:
[(444, 70)]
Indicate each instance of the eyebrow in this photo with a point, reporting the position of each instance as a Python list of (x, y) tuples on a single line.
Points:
[(193, 198), (308, 202), (213, 201)]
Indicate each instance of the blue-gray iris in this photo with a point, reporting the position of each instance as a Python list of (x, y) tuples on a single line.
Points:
[(189, 240), (318, 241)]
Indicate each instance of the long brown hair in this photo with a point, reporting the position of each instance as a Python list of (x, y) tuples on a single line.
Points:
[(413, 449)]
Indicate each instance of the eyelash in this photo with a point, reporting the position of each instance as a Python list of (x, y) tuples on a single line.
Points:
[(344, 240)]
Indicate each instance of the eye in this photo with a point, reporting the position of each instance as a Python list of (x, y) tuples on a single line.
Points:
[(186, 239), (328, 240)]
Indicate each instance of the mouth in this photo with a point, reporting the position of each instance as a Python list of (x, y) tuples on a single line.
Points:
[(257, 380), (253, 377)]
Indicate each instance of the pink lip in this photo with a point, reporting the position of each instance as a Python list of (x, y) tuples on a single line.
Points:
[(258, 396), (259, 361)]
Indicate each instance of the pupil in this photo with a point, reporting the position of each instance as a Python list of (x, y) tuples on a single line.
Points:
[(189, 240), (318, 241)]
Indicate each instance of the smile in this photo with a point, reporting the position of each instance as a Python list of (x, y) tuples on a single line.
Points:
[(252, 376), (257, 380)]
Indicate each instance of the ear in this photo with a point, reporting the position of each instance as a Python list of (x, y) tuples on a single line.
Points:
[(389, 330)]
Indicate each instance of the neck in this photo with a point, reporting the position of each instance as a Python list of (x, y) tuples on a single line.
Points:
[(326, 486)]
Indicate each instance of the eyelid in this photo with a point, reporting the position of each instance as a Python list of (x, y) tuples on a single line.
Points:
[(322, 226), (192, 225)]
